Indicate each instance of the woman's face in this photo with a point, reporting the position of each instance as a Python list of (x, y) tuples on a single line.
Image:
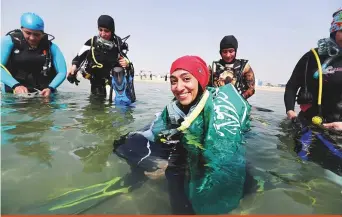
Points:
[(184, 86), (105, 33), (228, 55), (33, 37), (338, 38)]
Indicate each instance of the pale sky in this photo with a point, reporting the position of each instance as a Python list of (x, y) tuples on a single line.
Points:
[(273, 35)]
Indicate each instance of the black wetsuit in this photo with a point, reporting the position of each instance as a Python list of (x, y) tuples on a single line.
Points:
[(332, 88), (108, 58)]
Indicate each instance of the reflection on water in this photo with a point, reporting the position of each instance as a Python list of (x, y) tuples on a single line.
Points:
[(58, 154)]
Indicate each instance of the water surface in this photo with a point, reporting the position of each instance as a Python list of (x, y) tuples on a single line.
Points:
[(51, 148)]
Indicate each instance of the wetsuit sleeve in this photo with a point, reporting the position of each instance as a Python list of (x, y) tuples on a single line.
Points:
[(294, 83), (6, 49), (58, 61), (249, 80), (82, 54)]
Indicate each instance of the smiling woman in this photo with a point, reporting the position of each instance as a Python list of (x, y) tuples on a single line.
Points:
[(195, 142), (184, 86), (188, 81)]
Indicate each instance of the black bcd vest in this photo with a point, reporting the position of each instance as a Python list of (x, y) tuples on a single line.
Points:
[(31, 67), (231, 74), (99, 54)]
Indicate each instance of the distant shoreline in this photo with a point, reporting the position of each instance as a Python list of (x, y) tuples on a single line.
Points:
[(161, 81)]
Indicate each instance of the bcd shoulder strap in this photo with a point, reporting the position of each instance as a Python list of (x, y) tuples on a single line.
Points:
[(17, 38), (243, 64)]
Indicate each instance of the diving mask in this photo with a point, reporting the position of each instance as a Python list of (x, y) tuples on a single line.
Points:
[(104, 44)]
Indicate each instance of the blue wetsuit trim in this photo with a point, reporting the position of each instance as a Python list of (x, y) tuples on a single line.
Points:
[(59, 63), (6, 49)]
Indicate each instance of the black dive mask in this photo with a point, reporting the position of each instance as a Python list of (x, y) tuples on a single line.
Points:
[(104, 44)]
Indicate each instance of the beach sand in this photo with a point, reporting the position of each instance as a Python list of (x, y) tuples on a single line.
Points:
[(161, 81)]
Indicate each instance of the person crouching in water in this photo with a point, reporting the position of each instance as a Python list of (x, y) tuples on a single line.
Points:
[(100, 55), (231, 70), (30, 61), (198, 135)]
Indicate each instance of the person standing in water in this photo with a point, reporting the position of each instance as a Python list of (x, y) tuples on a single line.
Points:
[(229, 69), (30, 61), (100, 54), (305, 79), (317, 78)]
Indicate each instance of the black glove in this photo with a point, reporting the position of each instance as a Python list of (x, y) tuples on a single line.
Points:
[(73, 79)]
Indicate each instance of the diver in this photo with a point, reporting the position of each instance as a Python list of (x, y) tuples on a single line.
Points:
[(317, 77), (30, 61), (231, 70), (101, 57), (183, 144), (305, 78)]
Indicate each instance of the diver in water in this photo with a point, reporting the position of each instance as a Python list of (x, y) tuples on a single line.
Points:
[(231, 70), (102, 57), (318, 77), (183, 144), (305, 78), (30, 62)]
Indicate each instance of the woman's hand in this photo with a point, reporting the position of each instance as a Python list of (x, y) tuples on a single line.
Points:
[(71, 70), (20, 89), (334, 125), (123, 62), (45, 92), (291, 114)]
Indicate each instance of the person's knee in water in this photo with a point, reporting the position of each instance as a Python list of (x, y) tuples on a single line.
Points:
[(30, 61), (98, 56)]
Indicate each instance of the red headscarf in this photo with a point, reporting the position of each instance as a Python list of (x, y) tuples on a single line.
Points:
[(194, 65)]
